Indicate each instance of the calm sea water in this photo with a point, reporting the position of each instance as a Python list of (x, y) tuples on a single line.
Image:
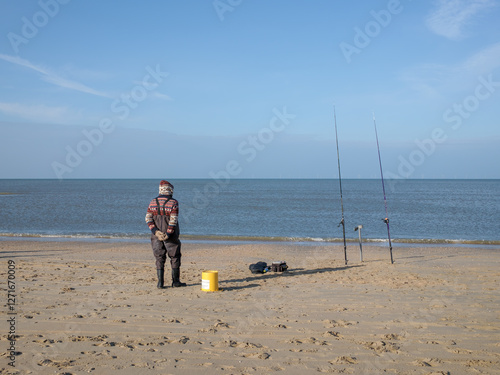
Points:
[(300, 210)]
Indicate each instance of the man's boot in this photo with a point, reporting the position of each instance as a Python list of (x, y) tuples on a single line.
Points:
[(161, 275), (175, 278)]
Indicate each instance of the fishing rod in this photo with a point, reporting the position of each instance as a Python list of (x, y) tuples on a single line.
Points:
[(342, 222), (386, 220)]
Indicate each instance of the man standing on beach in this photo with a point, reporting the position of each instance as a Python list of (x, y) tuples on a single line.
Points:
[(162, 219)]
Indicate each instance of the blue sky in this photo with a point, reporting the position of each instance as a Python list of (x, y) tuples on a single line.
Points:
[(240, 88)]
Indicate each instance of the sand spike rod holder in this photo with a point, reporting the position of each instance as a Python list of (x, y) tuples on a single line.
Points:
[(358, 228)]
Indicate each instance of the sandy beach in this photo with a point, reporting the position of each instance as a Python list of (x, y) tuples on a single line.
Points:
[(93, 307)]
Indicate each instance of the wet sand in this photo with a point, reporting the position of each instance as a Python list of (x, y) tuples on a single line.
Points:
[(93, 307)]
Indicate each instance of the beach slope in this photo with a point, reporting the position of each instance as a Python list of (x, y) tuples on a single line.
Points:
[(93, 307)]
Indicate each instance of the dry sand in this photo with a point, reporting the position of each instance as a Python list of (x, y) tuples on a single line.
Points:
[(93, 307)]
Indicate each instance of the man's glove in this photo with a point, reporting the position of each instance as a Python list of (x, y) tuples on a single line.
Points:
[(161, 236)]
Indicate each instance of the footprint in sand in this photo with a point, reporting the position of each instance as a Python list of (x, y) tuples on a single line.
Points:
[(427, 362), (338, 323), (172, 320), (256, 355), (310, 340), (65, 290), (235, 344), (337, 335), (421, 363), (221, 324), (58, 364), (182, 340), (459, 351), (381, 346), (344, 360)]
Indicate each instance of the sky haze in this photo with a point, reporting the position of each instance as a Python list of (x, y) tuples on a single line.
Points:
[(187, 89)]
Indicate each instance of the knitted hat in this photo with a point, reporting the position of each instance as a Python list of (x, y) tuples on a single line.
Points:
[(166, 188)]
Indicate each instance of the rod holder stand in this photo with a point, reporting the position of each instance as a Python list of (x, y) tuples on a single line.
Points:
[(358, 228)]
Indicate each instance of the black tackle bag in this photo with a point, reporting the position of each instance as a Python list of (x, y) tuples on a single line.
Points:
[(259, 267)]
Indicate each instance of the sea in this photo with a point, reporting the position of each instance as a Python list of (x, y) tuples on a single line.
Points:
[(290, 210)]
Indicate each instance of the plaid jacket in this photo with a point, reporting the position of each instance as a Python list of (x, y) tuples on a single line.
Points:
[(164, 217)]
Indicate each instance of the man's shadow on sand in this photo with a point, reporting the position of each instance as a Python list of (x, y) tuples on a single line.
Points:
[(289, 273)]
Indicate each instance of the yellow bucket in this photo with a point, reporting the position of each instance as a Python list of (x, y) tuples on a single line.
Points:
[(210, 281)]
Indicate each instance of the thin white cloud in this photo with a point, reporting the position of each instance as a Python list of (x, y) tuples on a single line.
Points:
[(39, 113), (159, 95), (53, 78), (22, 62), (484, 61), (435, 79), (450, 17), (72, 85), (154, 93)]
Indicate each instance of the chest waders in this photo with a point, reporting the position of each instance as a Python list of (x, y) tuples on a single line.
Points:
[(161, 271), (161, 211)]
